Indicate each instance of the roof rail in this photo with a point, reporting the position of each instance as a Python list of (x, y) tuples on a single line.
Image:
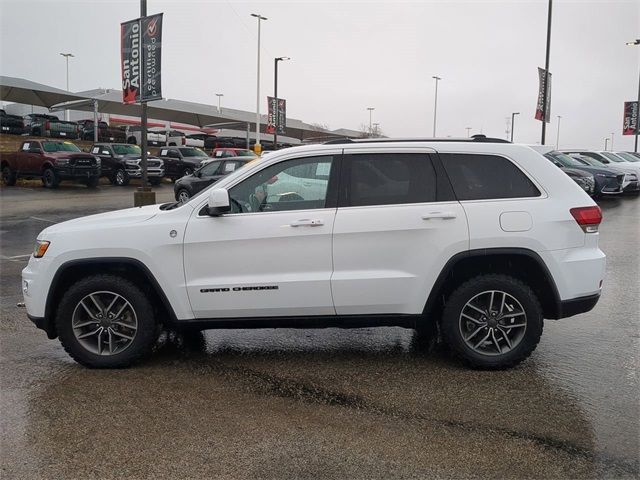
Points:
[(474, 138)]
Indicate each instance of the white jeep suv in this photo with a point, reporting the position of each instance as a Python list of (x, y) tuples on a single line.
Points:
[(484, 239)]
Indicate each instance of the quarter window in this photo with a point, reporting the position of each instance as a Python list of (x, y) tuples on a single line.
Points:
[(390, 178), (482, 177), (299, 184)]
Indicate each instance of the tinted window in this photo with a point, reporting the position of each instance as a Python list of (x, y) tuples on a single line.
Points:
[(480, 177), (385, 179), (210, 168)]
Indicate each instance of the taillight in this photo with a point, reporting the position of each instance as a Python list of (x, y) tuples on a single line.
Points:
[(184, 140), (589, 218)]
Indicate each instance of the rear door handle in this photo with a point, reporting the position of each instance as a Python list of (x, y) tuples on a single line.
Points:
[(443, 215), (306, 223)]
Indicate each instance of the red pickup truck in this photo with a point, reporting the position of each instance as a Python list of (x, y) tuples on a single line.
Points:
[(51, 160)]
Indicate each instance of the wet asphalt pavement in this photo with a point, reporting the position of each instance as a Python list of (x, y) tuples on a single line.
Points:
[(365, 403)]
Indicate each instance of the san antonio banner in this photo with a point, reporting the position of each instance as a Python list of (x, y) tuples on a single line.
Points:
[(542, 91), (279, 105), (141, 47), (630, 122)]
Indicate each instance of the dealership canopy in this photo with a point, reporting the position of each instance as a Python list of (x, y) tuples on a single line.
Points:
[(19, 90)]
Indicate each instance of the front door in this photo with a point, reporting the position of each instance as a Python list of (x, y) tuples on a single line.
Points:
[(271, 256)]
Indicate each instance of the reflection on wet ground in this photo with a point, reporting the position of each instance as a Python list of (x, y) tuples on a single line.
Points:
[(331, 403)]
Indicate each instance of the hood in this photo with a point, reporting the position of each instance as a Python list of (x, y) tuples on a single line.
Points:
[(598, 170), (572, 172), (119, 217)]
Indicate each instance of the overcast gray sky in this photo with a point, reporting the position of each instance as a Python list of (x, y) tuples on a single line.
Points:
[(347, 56)]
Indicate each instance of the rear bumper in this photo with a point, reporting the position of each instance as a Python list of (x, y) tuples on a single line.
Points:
[(575, 306)]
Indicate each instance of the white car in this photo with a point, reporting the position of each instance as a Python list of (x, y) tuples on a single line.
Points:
[(484, 238)]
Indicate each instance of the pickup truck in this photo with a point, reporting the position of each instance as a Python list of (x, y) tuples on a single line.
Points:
[(42, 125), (13, 124), (121, 163), (177, 138), (154, 139), (52, 161), (105, 132), (182, 161)]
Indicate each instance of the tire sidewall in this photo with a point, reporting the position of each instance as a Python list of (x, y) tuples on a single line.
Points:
[(49, 178), (145, 334), (185, 191), (125, 178), (468, 290)]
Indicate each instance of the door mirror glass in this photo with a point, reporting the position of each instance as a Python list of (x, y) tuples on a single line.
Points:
[(218, 203)]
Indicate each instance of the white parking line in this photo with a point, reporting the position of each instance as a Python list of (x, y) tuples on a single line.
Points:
[(43, 219)]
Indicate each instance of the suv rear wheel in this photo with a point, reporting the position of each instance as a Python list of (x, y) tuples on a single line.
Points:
[(492, 321), (106, 321), (183, 195), (8, 177)]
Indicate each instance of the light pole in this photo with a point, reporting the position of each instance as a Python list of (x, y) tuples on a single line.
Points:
[(468, 129), (547, 90), (257, 146), (513, 116), (558, 134), (635, 148), (219, 95), (376, 130), (371, 109), (606, 141), (66, 56), (275, 95), (435, 105)]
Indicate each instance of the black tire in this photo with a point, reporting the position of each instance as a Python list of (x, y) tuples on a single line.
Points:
[(142, 340), (183, 195), (49, 178), (120, 178), (155, 181), (92, 182), (527, 341), (8, 176)]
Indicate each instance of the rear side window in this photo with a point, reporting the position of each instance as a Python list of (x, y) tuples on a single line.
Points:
[(390, 178), (483, 177)]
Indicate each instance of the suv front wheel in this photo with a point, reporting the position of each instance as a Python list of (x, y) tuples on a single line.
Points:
[(106, 321), (492, 321)]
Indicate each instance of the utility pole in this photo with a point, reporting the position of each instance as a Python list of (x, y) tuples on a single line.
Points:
[(257, 147), (66, 56), (635, 148), (468, 129), (371, 109), (276, 113), (546, 96), (435, 105), (606, 141)]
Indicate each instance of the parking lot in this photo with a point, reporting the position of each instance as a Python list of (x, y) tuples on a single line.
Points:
[(328, 403)]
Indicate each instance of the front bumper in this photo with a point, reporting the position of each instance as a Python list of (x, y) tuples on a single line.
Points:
[(151, 172), (77, 173)]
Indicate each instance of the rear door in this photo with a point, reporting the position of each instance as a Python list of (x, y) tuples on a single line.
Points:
[(396, 226)]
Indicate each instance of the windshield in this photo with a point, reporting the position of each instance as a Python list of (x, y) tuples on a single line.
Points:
[(628, 157), (59, 147), (192, 152), (590, 161), (245, 153), (125, 149), (613, 157), (564, 159)]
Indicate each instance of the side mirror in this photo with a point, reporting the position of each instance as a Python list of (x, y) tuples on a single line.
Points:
[(218, 202)]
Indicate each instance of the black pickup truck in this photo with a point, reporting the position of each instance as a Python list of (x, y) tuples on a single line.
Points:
[(121, 163), (12, 124), (42, 125), (182, 161), (105, 132)]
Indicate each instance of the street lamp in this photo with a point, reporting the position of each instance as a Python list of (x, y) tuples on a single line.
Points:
[(275, 95), (219, 95), (606, 142), (513, 115), (371, 109), (435, 105), (257, 146), (468, 129), (635, 148), (66, 56), (558, 134)]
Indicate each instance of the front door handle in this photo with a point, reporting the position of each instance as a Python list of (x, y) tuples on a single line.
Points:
[(306, 223), (443, 215)]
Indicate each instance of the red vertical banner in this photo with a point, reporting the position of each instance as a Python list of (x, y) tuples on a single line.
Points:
[(544, 90), (630, 122), (272, 106)]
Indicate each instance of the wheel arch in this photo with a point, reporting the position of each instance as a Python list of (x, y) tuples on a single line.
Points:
[(130, 268), (521, 263)]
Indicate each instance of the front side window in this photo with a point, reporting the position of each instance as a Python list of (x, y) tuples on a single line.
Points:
[(210, 169), (390, 178), (483, 177), (281, 187), (126, 149), (193, 152)]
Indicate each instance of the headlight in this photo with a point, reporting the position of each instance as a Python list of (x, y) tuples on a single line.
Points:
[(41, 248), (98, 161), (133, 163), (62, 161)]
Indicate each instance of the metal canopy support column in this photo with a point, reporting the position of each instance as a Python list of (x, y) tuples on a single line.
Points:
[(95, 120)]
